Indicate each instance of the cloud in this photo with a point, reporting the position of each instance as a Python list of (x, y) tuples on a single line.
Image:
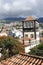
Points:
[(17, 8), (6, 7)]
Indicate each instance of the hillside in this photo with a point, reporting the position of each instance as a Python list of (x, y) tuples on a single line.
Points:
[(11, 19), (8, 20), (40, 20)]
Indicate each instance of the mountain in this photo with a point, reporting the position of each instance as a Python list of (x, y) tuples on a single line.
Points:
[(11, 19), (8, 20), (40, 20)]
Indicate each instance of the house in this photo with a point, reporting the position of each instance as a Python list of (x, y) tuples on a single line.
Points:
[(31, 34), (31, 29)]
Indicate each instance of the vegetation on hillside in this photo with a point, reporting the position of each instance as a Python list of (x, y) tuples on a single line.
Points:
[(38, 50), (10, 46)]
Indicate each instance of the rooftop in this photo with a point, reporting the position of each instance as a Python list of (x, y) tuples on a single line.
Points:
[(23, 59), (29, 18)]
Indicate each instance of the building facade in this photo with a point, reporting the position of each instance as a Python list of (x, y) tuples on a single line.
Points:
[(30, 33)]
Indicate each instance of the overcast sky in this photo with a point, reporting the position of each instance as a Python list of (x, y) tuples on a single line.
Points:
[(21, 8)]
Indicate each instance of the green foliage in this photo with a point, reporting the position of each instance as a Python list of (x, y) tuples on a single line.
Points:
[(12, 45), (5, 54), (40, 46), (38, 50)]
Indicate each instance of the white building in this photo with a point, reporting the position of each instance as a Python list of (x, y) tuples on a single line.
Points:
[(16, 33), (31, 33)]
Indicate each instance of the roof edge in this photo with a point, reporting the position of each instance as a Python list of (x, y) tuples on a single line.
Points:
[(25, 54)]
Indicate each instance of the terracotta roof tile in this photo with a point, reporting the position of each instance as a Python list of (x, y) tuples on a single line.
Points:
[(23, 59), (29, 18)]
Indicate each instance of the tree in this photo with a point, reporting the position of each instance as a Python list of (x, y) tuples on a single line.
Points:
[(10, 46)]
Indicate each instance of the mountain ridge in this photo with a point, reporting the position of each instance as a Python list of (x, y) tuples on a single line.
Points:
[(40, 20), (11, 19)]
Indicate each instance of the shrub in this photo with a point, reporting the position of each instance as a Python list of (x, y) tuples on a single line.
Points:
[(38, 50)]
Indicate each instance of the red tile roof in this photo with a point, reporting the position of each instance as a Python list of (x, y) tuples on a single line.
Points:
[(29, 18), (23, 59)]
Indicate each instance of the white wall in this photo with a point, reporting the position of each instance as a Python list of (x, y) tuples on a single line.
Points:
[(27, 48), (29, 33), (33, 42)]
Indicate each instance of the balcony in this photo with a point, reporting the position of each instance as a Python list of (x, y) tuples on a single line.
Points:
[(30, 25)]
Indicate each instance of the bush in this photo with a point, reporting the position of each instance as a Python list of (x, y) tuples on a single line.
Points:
[(40, 46), (38, 50)]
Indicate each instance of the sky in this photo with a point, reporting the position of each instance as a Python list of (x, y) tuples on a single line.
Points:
[(21, 8)]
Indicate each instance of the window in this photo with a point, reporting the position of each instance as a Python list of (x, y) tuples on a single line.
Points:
[(27, 25), (32, 24), (26, 35), (32, 36)]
